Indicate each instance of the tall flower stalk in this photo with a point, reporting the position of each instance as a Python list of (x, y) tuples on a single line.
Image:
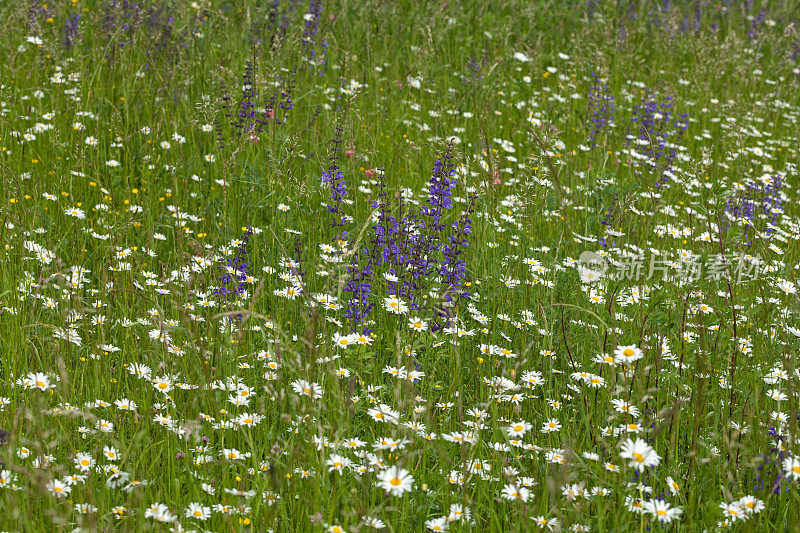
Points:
[(335, 180), (655, 130), (601, 110), (235, 272)]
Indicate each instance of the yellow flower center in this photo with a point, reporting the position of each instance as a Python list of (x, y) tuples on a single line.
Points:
[(638, 457), (395, 482)]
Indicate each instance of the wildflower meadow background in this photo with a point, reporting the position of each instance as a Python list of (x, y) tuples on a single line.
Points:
[(338, 265)]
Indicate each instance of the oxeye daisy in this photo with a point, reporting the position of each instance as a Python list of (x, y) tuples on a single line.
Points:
[(517, 429), (732, 511), (417, 324), (514, 492), (673, 486), (363, 339), (640, 453), (383, 413), (551, 425), (545, 523), (76, 212), (248, 419), (395, 480), (437, 524), (84, 461), (162, 384), (58, 488), (344, 341), (232, 454), (307, 388), (198, 512), (751, 504), (791, 467), (338, 462), (111, 453), (628, 354), (505, 352), (662, 510), (395, 305)]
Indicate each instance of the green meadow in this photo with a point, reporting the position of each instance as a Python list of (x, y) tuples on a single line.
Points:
[(344, 266)]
